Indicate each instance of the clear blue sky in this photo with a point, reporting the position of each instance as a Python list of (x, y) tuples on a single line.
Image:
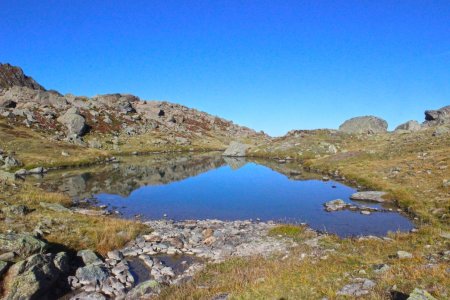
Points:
[(270, 65)]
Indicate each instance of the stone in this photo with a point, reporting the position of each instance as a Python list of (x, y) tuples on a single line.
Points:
[(75, 123), (89, 257), (32, 277), (38, 170), (236, 149), (365, 212), (6, 176), (147, 288), (335, 205), (374, 196), (16, 210), (411, 126), (91, 274), (11, 162), (116, 255), (55, 207), (381, 268), (22, 244), (404, 254), (445, 235), (365, 124), (88, 296), (419, 294)]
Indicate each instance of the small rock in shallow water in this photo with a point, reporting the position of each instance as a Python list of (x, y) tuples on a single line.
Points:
[(369, 196)]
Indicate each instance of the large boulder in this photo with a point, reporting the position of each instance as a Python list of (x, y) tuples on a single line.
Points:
[(438, 117), (21, 244), (410, 126), (32, 277), (75, 123), (236, 149), (365, 124)]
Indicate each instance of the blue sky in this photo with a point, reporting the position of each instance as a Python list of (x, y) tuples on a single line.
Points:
[(269, 65)]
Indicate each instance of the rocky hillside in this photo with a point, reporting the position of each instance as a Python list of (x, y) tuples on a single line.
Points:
[(78, 119)]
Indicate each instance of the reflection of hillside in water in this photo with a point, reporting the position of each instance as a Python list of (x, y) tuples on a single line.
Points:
[(131, 173)]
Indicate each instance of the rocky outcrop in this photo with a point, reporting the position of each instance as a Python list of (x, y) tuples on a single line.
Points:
[(14, 76), (410, 126), (365, 124), (21, 244), (437, 117), (236, 149)]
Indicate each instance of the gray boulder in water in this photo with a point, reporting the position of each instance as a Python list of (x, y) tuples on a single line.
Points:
[(236, 149), (365, 124)]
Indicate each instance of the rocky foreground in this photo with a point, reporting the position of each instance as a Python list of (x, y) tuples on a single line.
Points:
[(194, 242)]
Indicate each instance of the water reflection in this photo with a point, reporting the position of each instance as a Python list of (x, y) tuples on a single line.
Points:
[(201, 186)]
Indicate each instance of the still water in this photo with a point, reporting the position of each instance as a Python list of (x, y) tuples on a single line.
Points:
[(208, 186)]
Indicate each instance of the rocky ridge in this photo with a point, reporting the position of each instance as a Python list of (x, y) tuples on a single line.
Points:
[(69, 117)]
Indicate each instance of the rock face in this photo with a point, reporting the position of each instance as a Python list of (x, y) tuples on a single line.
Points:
[(366, 124), (410, 126), (14, 76), (437, 117), (236, 149)]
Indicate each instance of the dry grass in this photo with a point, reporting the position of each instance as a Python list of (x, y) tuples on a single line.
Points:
[(74, 231)]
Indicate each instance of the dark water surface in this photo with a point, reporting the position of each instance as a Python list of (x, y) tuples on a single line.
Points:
[(211, 187)]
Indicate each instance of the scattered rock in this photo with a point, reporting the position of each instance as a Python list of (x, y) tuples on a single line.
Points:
[(16, 210), (75, 123), (88, 296)]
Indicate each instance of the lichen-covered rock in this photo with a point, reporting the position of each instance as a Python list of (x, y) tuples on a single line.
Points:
[(91, 274), (419, 294), (23, 245), (32, 277), (365, 124), (147, 288), (236, 149)]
